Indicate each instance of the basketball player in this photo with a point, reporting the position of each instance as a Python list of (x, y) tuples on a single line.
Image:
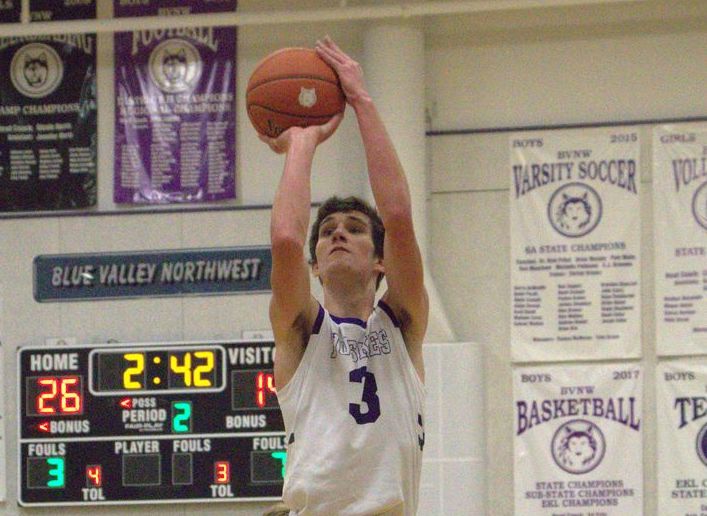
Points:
[(349, 372)]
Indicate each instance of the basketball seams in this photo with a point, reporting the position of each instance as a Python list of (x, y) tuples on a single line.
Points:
[(255, 85), (293, 115)]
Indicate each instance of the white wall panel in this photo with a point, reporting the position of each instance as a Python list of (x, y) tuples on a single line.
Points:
[(535, 80)]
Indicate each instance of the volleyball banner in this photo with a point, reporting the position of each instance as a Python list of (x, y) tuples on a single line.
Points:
[(681, 402), (575, 244), (680, 231), (578, 440)]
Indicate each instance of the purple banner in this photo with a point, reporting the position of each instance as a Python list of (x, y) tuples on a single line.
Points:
[(47, 122), (53, 10), (175, 115), (10, 11), (123, 8)]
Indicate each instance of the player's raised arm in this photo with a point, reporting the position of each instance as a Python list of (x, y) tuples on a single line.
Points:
[(402, 259), (292, 308)]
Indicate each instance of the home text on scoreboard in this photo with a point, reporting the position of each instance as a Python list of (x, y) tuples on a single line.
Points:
[(149, 423)]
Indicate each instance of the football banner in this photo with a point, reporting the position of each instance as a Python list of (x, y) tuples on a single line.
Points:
[(175, 124), (578, 440), (575, 244), (680, 237), (681, 403)]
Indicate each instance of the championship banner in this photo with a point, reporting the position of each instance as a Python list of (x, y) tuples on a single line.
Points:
[(680, 230), (681, 402), (123, 8), (10, 11), (47, 122), (578, 440), (575, 244), (55, 10), (175, 109)]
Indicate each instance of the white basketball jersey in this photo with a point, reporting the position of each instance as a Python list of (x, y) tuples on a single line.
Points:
[(353, 413)]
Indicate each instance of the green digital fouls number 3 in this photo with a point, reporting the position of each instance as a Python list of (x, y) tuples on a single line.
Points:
[(56, 473)]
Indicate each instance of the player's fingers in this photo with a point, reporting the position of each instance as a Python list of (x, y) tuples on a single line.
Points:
[(328, 55), (329, 127), (268, 141), (273, 143), (334, 121), (330, 43)]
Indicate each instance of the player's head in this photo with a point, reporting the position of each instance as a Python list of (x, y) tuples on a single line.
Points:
[(356, 210)]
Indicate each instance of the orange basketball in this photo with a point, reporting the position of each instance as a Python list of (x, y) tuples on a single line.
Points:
[(292, 87)]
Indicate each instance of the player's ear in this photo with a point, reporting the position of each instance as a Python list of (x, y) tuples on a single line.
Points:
[(315, 268), (378, 265)]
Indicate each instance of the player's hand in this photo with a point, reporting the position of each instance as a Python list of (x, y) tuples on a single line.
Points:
[(314, 135), (349, 71)]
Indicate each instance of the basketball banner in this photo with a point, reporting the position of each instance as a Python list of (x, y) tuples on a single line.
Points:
[(575, 244), (175, 121), (10, 11), (47, 122), (578, 440), (55, 10), (681, 402), (680, 231)]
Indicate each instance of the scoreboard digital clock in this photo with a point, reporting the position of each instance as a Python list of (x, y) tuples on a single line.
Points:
[(149, 423)]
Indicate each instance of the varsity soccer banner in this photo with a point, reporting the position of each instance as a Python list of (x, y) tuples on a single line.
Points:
[(175, 109), (48, 122), (575, 244), (578, 440), (681, 402), (680, 230)]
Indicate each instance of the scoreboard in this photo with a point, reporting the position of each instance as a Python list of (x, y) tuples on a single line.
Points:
[(149, 423)]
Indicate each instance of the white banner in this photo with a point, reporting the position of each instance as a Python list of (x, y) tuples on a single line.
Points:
[(575, 244), (681, 400), (680, 213), (578, 440)]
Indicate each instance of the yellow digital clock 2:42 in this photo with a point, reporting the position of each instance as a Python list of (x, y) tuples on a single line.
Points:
[(147, 370)]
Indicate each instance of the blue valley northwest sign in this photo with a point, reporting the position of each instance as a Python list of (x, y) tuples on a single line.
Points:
[(73, 277)]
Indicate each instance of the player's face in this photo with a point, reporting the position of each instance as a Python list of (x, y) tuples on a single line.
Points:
[(346, 244)]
